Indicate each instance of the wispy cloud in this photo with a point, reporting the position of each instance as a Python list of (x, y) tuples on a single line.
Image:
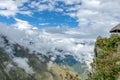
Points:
[(12, 7), (23, 63), (43, 24), (21, 24)]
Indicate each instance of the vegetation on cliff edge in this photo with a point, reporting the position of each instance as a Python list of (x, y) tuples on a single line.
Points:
[(106, 64)]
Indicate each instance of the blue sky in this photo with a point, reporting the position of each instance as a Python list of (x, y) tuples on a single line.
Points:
[(93, 17), (42, 18)]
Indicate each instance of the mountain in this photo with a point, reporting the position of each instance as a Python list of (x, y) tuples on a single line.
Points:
[(37, 54), (18, 63)]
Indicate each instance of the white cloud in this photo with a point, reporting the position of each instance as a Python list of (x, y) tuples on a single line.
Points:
[(50, 64), (34, 28), (74, 32), (23, 63), (41, 7), (8, 67), (11, 7), (7, 4), (8, 7), (96, 17), (20, 2), (24, 12), (59, 10), (92, 3), (70, 2), (21, 24)]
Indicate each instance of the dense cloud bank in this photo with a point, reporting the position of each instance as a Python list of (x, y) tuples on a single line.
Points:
[(51, 45)]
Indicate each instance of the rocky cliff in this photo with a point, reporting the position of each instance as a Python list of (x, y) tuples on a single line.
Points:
[(106, 64)]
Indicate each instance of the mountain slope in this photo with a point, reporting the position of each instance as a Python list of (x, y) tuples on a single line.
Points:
[(16, 62)]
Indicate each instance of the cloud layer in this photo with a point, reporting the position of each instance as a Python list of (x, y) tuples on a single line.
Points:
[(50, 45), (12, 7), (23, 63)]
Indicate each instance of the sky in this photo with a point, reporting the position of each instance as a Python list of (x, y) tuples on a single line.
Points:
[(80, 18)]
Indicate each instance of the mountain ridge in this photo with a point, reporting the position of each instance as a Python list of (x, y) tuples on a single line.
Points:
[(22, 65)]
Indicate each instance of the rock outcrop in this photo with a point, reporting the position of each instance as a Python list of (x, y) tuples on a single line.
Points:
[(106, 64)]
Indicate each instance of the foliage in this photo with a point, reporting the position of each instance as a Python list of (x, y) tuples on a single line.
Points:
[(106, 64), (69, 76)]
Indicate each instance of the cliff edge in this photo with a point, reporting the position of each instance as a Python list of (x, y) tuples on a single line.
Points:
[(106, 64)]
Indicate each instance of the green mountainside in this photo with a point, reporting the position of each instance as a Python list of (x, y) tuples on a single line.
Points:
[(106, 64)]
